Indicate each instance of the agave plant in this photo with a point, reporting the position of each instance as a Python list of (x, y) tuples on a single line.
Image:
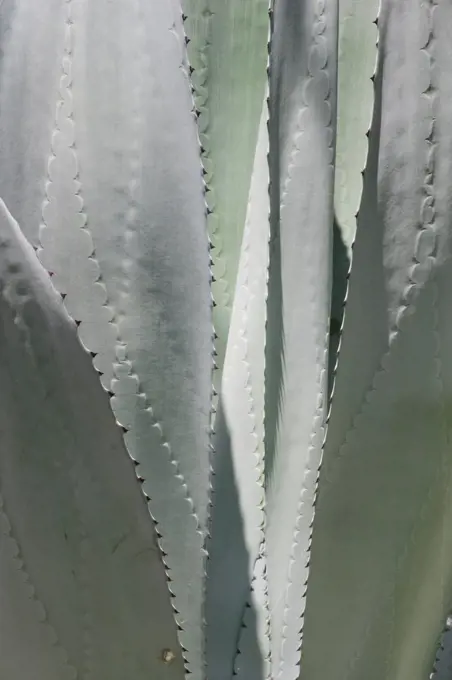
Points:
[(225, 339)]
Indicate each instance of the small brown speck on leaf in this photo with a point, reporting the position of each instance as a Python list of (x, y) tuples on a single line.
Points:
[(167, 656)]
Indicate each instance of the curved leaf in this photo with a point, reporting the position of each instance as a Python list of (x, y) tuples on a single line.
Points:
[(31, 52), (385, 497), (124, 233), (82, 584), (302, 137), (228, 52), (356, 66), (237, 525), (380, 521)]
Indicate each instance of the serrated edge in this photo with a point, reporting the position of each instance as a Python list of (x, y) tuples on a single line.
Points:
[(214, 368), (200, 94), (406, 307), (259, 466), (447, 631), (321, 363), (14, 304), (263, 548), (178, 478)]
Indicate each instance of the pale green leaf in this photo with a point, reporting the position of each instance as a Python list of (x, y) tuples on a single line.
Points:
[(228, 52), (356, 66), (82, 584), (385, 502), (238, 485), (31, 44), (381, 549), (124, 233), (302, 139)]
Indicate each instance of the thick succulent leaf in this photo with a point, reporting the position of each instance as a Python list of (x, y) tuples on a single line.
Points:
[(407, 152), (441, 90), (357, 54), (302, 131), (365, 319), (253, 657), (82, 584), (382, 523), (124, 233), (253, 660), (442, 81), (397, 452), (238, 485), (356, 66), (228, 52), (31, 44), (383, 264), (385, 501)]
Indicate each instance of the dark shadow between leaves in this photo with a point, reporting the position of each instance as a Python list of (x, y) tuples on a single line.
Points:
[(228, 600), (341, 265)]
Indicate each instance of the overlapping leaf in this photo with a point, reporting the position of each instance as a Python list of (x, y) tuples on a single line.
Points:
[(121, 215), (108, 160), (238, 489), (83, 588), (302, 139), (385, 495), (228, 52), (356, 66)]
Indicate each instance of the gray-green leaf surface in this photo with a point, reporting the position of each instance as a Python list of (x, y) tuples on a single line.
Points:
[(120, 214), (238, 485), (228, 52), (302, 140), (385, 489), (82, 586)]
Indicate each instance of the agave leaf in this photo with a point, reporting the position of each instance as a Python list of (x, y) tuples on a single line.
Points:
[(302, 103), (137, 277), (253, 659), (30, 57), (441, 81), (253, 651), (366, 316), (228, 52), (238, 488), (406, 151), (356, 66), (381, 523), (83, 584), (383, 254), (384, 496), (357, 55)]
